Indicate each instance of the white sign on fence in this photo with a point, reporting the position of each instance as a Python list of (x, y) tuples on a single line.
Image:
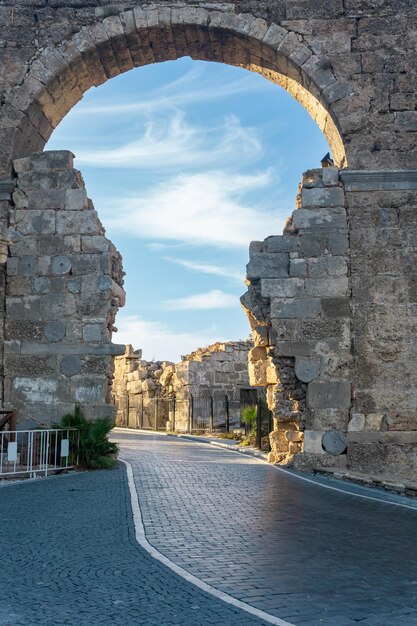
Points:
[(64, 447), (12, 451)]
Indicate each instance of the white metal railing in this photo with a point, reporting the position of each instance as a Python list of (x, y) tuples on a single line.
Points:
[(33, 452)]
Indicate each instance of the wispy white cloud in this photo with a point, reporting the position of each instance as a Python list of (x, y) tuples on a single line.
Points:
[(180, 93), (206, 268), (158, 341), (202, 208), (173, 143), (214, 299)]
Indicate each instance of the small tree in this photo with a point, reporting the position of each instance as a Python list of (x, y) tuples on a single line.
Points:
[(249, 419)]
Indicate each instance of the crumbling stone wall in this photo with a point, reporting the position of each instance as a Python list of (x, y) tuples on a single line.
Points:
[(136, 387), (214, 372), (63, 288), (340, 320), (298, 307)]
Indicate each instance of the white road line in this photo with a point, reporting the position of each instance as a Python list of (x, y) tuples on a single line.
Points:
[(144, 543), (346, 492), (297, 476)]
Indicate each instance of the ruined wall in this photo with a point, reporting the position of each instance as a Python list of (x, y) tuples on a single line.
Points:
[(335, 333), (136, 387), (63, 289), (298, 307), (143, 391)]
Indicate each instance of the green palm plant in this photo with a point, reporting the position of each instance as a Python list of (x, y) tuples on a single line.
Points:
[(94, 450)]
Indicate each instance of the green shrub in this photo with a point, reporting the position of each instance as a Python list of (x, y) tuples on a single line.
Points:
[(94, 450)]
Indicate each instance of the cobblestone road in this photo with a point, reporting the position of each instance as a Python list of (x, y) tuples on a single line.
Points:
[(69, 556), (303, 553)]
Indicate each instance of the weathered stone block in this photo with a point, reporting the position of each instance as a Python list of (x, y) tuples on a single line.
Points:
[(312, 442), (323, 197), (32, 222), (268, 265), (41, 161), (294, 435), (311, 245), (327, 287), (92, 332), (55, 330), (27, 266), (280, 243), (75, 200), (298, 267), (327, 266), (336, 307), (330, 176), (37, 389), (329, 395), (88, 390), (24, 308), (300, 308), (321, 219), (56, 306), (94, 243), (77, 222), (282, 288), (307, 369)]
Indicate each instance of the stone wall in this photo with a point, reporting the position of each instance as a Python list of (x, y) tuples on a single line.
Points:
[(136, 387), (63, 288), (143, 391), (298, 307), (335, 329), (382, 433)]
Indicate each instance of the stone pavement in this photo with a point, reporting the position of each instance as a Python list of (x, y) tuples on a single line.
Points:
[(306, 554), (69, 556)]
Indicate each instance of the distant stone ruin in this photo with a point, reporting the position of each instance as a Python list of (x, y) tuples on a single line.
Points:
[(205, 385)]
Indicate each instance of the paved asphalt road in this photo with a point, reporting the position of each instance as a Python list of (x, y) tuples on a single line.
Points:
[(306, 554)]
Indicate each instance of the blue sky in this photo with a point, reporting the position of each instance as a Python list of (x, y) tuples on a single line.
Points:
[(186, 163)]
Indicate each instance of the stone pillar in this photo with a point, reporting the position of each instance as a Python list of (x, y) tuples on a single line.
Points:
[(298, 305), (64, 286), (382, 209)]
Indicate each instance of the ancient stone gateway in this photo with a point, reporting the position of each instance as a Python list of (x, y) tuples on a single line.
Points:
[(332, 301)]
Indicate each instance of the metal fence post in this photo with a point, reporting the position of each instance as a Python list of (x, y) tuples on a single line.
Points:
[(226, 400), (191, 413), (269, 429), (141, 411), (174, 402), (211, 417), (155, 413), (259, 423)]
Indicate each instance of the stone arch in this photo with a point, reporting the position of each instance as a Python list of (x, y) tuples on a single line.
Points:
[(59, 75)]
